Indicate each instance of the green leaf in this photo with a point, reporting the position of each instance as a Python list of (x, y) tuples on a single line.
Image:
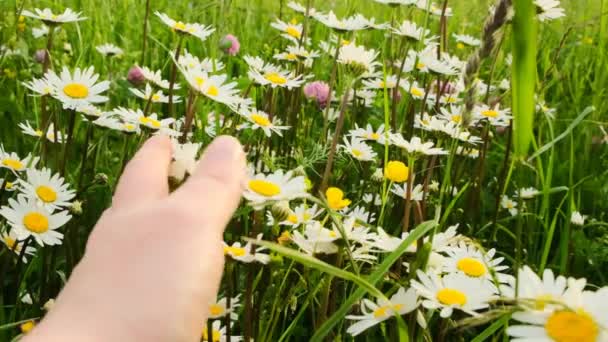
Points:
[(523, 78), (492, 329), (376, 276)]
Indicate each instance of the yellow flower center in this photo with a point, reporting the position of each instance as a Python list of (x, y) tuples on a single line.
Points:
[(212, 91), (291, 56), (335, 198), (217, 335), (261, 120), (199, 80), (345, 42), (155, 97), (451, 99), (36, 222), (8, 185), (381, 311), (12, 164), (76, 90), (460, 46), (144, 120), (541, 301), (417, 92), (27, 327), (471, 267), (10, 242), (275, 78), (216, 310), (449, 296), (179, 26), (264, 188), (46, 194), (333, 234), (420, 65), (570, 326), (396, 171), (292, 218), (457, 118), (284, 238), (357, 153), (38, 133), (490, 113), (235, 251), (373, 136), (129, 127), (292, 31)]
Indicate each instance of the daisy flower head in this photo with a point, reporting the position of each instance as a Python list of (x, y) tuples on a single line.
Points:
[(11, 241), (26, 128), (218, 331), (41, 31), (397, 2), (184, 159), (27, 218), (453, 291), (549, 10), (301, 9), (137, 117), (417, 193), (527, 193), (194, 29), (583, 320), (50, 190), (360, 61), (368, 133), (91, 111), (51, 19), (353, 23), (156, 78), (189, 61), (494, 115), (539, 293), (577, 218), (155, 97), (335, 198), (109, 50), (413, 89), (12, 161), (77, 89), (358, 149), (431, 7), (402, 302), (216, 88), (472, 262), (316, 239), (379, 83), (40, 86), (220, 308), (262, 189), (415, 146), (276, 77), (509, 204), (302, 214), (465, 39), (297, 54), (411, 31), (291, 30), (452, 114), (259, 119), (246, 253)]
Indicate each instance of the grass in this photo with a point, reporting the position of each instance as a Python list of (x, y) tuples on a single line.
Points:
[(557, 65)]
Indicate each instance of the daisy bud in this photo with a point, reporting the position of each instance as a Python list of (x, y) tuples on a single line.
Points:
[(230, 45), (317, 90), (40, 56), (299, 171), (135, 76), (76, 207), (378, 175), (280, 211), (49, 304), (101, 178), (396, 171)]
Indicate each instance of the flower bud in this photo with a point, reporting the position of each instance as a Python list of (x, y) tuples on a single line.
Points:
[(135, 76)]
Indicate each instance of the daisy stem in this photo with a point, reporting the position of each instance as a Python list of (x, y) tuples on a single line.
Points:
[(210, 330), (85, 153), (144, 42), (334, 142), (125, 152), (408, 195), (396, 89), (68, 141), (189, 116), (305, 26), (229, 291), (43, 101), (384, 196), (332, 81), (173, 75)]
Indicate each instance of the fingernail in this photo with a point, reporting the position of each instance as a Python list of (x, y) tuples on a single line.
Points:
[(223, 156)]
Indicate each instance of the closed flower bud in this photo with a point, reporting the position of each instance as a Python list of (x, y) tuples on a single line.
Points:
[(378, 175), (280, 211), (135, 76)]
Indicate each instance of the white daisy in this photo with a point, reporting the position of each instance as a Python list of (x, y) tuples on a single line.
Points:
[(291, 30), (416, 146), (527, 193), (11, 241), (276, 78), (77, 89), (246, 253), (509, 204), (218, 331), (216, 88), (401, 303), (353, 23), (549, 10), (368, 133), (137, 117), (50, 19), (12, 161), (184, 159), (379, 84), (494, 115), (40, 86), (26, 128), (413, 89), (411, 30), (466, 39), (316, 239), (301, 9), (41, 31), (149, 95), (259, 119), (220, 308), (453, 291), (358, 149), (278, 186), (27, 218), (210, 65), (51, 190), (91, 111), (156, 78), (469, 260), (358, 58), (109, 50), (195, 29), (577, 218), (400, 190), (452, 114), (302, 214)]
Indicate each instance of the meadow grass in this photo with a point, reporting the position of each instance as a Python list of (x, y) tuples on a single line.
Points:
[(556, 144)]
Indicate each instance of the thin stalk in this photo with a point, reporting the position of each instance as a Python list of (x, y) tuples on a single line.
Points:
[(408, 195), (68, 141), (144, 42), (173, 75), (85, 153), (332, 82)]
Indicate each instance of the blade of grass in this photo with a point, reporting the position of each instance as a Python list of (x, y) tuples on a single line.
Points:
[(484, 335)]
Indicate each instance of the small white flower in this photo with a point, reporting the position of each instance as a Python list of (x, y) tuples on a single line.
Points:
[(195, 29), (577, 218), (466, 39), (262, 189), (77, 89), (51, 191), (316, 239), (184, 159), (258, 119), (358, 149), (509, 204), (50, 19), (109, 50), (416, 146), (353, 23), (246, 253), (549, 10)]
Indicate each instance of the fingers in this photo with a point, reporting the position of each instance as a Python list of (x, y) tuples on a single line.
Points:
[(145, 176), (215, 187)]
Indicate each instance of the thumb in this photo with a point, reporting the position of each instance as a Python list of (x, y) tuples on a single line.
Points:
[(215, 187)]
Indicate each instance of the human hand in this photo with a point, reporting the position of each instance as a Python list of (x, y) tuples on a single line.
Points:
[(154, 260)]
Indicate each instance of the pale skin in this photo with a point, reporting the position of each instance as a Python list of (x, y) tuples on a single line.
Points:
[(154, 261)]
